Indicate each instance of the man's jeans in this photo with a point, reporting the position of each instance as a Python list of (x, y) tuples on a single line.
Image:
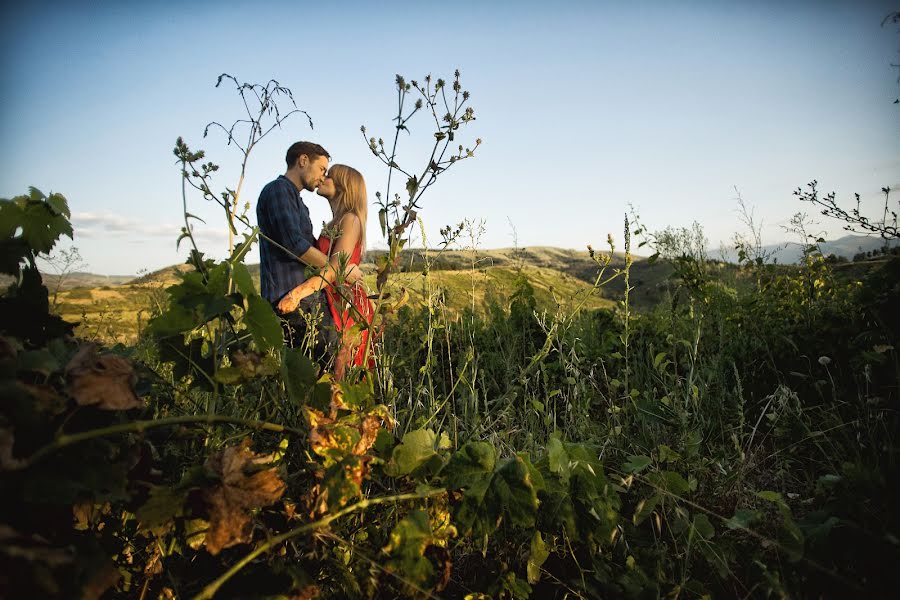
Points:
[(311, 327)]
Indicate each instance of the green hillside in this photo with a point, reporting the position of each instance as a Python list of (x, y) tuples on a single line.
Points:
[(559, 278)]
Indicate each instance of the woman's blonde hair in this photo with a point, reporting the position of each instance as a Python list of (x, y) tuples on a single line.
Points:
[(350, 197)]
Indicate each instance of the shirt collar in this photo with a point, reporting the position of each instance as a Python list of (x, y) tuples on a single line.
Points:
[(296, 189)]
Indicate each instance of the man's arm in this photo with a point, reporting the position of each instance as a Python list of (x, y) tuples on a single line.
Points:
[(281, 222), (314, 258), (351, 230), (283, 225)]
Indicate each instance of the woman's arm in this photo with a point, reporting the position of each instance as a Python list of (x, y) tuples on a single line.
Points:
[(351, 230)]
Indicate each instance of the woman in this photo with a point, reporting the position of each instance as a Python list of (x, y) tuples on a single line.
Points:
[(345, 189)]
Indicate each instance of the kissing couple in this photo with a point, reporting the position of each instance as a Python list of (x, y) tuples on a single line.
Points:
[(318, 311)]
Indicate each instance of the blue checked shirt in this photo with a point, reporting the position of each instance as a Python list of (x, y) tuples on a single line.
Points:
[(282, 216)]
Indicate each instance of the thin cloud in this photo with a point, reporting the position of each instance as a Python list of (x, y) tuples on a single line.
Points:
[(91, 225), (117, 224)]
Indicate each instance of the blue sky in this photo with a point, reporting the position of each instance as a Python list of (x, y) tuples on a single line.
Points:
[(584, 109)]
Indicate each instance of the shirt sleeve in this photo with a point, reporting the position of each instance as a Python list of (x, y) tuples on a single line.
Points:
[(282, 221)]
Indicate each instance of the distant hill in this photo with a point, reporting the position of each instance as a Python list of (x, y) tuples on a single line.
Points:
[(791, 252), (116, 308), (83, 280), (454, 268)]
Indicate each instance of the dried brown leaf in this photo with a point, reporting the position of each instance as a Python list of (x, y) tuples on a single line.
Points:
[(243, 488), (440, 556), (106, 382), (46, 398), (154, 564), (308, 592), (106, 577), (368, 430)]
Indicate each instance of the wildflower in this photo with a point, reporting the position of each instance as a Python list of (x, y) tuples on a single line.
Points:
[(824, 361)]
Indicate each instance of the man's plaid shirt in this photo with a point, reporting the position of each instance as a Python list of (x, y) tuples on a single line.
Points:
[(282, 216)]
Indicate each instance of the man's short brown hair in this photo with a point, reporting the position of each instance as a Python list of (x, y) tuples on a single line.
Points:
[(311, 150)]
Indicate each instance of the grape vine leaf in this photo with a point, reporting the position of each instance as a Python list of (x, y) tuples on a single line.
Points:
[(263, 324), (469, 464), (417, 454)]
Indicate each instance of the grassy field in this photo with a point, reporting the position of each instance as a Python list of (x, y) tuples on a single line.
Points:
[(116, 313)]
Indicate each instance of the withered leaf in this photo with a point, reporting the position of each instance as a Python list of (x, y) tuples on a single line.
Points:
[(106, 382), (341, 482), (104, 578), (244, 487), (309, 592), (45, 397)]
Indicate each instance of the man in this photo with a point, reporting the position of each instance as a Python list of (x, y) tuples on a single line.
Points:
[(288, 244)]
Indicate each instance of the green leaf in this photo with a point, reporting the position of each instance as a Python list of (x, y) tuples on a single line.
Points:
[(159, 511), (469, 464), (675, 483), (188, 359), (39, 361), (534, 474), (536, 558), (558, 458), (242, 279), (230, 375), (645, 508), (507, 494), (237, 256), (176, 319), (384, 443), (791, 538), (217, 280), (35, 194), (418, 449), (58, 203), (511, 586), (42, 225), (11, 216), (770, 496), (406, 549), (264, 325), (358, 396), (743, 518), (299, 374), (703, 527), (658, 360), (636, 463), (558, 508)]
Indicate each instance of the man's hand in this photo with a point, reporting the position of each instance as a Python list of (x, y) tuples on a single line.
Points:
[(288, 303), (354, 274)]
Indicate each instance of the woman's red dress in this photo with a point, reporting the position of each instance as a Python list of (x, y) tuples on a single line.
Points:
[(344, 319)]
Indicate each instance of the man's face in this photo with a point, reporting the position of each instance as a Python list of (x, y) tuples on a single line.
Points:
[(312, 172)]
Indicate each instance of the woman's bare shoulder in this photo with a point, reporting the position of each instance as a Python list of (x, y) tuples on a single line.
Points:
[(349, 222)]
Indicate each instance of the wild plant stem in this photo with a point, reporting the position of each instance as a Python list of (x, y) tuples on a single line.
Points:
[(138, 426)]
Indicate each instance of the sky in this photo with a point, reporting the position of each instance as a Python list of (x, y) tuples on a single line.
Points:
[(586, 110)]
